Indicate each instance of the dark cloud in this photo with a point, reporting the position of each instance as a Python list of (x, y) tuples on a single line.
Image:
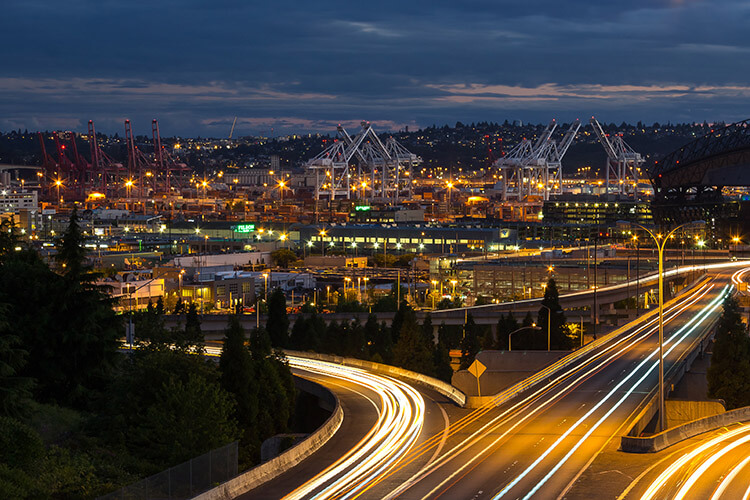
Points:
[(299, 66)]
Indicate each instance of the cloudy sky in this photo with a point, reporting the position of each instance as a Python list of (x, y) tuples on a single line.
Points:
[(303, 66)]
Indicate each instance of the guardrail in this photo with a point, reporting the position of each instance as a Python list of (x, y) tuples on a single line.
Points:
[(441, 387), (658, 442), (278, 465)]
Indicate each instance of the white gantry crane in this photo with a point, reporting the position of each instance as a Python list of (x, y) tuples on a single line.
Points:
[(534, 170), (382, 169), (623, 163)]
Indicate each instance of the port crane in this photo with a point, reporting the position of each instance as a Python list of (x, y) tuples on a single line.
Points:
[(623, 163)]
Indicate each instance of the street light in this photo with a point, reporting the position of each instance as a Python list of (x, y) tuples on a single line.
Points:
[(322, 234), (453, 282), (522, 328), (660, 245)]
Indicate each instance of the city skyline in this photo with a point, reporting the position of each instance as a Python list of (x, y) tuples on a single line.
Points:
[(296, 68)]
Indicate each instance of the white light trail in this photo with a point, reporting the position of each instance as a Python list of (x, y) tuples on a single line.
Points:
[(687, 458), (681, 333), (599, 360), (398, 426)]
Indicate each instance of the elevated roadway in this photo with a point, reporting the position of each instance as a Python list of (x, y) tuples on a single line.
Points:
[(536, 445)]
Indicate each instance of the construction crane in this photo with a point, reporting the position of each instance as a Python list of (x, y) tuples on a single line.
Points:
[(623, 163), (534, 170)]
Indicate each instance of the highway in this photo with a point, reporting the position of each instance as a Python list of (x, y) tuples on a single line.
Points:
[(538, 444), (383, 419), (716, 468)]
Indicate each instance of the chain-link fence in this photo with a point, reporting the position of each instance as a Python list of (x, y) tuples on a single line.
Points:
[(185, 480)]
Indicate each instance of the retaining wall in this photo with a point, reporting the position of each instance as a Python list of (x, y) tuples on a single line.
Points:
[(282, 463)]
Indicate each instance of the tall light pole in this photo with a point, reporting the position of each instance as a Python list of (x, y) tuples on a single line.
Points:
[(660, 245), (322, 234), (549, 323)]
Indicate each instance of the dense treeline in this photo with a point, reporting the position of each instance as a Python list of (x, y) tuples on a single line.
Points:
[(729, 373), (79, 419)]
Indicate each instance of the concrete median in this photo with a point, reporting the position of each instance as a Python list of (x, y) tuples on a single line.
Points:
[(658, 442)]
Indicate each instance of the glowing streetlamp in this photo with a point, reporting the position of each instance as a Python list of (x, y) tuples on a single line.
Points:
[(454, 282), (322, 234), (660, 245), (58, 184)]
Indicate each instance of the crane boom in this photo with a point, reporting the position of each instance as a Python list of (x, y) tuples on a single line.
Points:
[(231, 130), (608, 148)]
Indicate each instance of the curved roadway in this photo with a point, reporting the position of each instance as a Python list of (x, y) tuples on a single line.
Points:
[(383, 419)]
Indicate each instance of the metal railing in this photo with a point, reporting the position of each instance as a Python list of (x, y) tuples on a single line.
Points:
[(186, 480)]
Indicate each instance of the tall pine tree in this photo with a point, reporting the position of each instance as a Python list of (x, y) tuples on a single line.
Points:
[(729, 373)]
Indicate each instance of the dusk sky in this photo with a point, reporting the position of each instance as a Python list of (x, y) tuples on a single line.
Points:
[(301, 66)]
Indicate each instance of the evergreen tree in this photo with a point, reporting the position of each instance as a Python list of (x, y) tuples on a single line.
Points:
[(528, 320), (505, 326), (188, 419), (237, 372), (193, 334), (53, 314), (260, 342), (298, 337), (15, 390), (469, 343), (729, 373), (427, 329), (71, 253), (558, 331), (383, 345), (179, 307), (442, 362), (411, 351), (355, 340), (398, 320), (371, 334), (277, 324)]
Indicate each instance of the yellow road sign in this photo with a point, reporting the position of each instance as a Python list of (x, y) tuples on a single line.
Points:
[(477, 368)]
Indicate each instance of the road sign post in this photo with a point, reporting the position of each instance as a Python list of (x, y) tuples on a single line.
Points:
[(477, 369)]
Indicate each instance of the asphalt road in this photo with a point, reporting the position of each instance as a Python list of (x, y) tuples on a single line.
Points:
[(537, 445), (372, 436), (716, 467)]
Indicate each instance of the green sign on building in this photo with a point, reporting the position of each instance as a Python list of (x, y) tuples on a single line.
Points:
[(362, 208), (244, 228)]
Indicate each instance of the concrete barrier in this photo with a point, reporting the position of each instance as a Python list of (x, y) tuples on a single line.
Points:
[(277, 466), (658, 442), (439, 386)]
